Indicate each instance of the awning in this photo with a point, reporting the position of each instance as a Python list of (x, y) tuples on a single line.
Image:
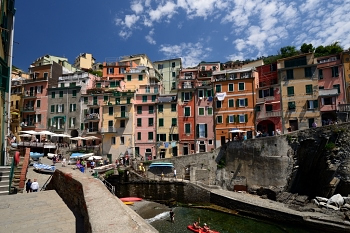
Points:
[(161, 165), (14, 113)]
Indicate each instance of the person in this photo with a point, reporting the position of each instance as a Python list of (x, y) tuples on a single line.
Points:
[(35, 186), (28, 184), (314, 125), (174, 173), (162, 176), (172, 215), (92, 164), (64, 162), (196, 226), (206, 228), (54, 159)]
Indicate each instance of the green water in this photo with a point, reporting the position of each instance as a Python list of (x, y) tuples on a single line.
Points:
[(218, 221)]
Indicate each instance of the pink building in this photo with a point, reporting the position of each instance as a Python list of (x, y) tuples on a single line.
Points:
[(331, 86)]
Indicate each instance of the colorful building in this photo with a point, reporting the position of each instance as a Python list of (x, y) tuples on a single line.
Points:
[(169, 70), (268, 110), (84, 61), (234, 103), (346, 66), (299, 92), (331, 86), (186, 111)]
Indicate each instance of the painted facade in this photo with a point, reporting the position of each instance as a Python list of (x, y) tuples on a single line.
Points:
[(186, 111), (204, 118), (299, 92), (169, 70), (331, 86), (234, 103), (346, 65), (268, 110), (84, 61)]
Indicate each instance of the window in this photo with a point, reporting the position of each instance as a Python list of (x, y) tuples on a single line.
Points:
[(121, 140), (173, 137), (201, 111), (73, 107), (160, 66), (150, 135), (243, 118), (139, 109), (144, 98), (72, 122), (60, 108), (308, 89), (201, 131), (110, 111), (37, 103), (110, 70), (209, 92), (61, 94), (218, 88), (39, 89), (150, 109), (187, 96), (173, 107), (128, 100), (187, 111), (200, 93), (62, 85), (290, 74), (150, 121), (38, 118), (105, 98), (113, 140), (335, 72), (138, 135), (291, 105), (231, 103), (128, 78), (140, 77), (290, 91), (241, 86), (312, 104), (230, 87), (173, 121), (122, 124), (98, 85), (154, 97), (218, 104), (210, 142), (320, 74), (173, 74), (160, 108), (320, 87), (139, 122), (266, 92), (308, 72), (242, 102), (46, 75), (231, 119), (53, 95), (86, 100), (52, 108), (210, 111), (187, 128), (268, 108), (110, 125), (337, 86), (117, 101), (161, 122), (74, 93), (219, 119), (173, 64)]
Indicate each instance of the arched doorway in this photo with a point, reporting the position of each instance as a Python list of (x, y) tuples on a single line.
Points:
[(266, 127)]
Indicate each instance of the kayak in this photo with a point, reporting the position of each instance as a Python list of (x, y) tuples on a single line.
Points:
[(200, 230), (131, 199), (128, 202)]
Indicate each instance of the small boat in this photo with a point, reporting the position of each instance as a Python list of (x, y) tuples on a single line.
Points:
[(199, 230), (104, 168), (40, 167), (36, 155), (128, 202), (133, 199)]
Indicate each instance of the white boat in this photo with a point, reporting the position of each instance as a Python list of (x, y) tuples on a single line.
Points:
[(51, 155), (104, 168)]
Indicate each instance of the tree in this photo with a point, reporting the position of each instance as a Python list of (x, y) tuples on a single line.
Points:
[(307, 48), (288, 51), (333, 48)]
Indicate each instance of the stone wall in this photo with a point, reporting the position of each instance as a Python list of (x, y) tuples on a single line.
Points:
[(90, 200)]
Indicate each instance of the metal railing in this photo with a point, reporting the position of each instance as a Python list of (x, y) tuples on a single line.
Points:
[(108, 185), (11, 173)]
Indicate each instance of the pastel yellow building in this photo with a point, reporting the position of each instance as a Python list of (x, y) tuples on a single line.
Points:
[(84, 61), (346, 65), (299, 92)]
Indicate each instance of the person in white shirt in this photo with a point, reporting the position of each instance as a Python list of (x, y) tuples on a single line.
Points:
[(35, 186)]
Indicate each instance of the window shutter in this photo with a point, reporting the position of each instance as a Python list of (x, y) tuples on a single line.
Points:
[(246, 117), (81, 126), (49, 122), (315, 103), (197, 131), (227, 119), (190, 95), (260, 94), (70, 108), (246, 101), (70, 122), (235, 118), (237, 103), (56, 108), (62, 107), (182, 96), (272, 92), (206, 131)]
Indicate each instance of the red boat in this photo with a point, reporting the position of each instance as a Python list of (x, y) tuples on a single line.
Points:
[(131, 199), (200, 230)]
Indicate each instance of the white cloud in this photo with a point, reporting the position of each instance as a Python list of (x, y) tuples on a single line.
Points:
[(166, 10), (149, 37), (125, 34), (130, 20), (136, 7), (190, 53)]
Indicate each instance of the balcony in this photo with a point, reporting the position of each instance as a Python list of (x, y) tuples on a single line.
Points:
[(267, 98), (129, 93), (187, 85), (344, 107), (56, 128), (28, 109), (92, 103), (93, 130), (205, 73), (122, 115), (204, 84), (32, 80), (30, 95), (30, 125), (268, 114), (328, 92), (109, 130), (92, 117), (148, 92), (188, 77)]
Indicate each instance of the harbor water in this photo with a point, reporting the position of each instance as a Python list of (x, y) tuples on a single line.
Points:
[(218, 221)]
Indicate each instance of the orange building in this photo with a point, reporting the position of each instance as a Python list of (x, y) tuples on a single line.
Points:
[(234, 103)]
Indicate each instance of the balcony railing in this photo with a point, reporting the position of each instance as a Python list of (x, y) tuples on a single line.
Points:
[(109, 130), (263, 115), (29, 95), (122, 115), (92, 116), (31, 80), (28, 109), (344, 107)]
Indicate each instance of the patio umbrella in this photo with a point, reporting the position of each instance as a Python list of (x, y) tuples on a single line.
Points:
[(30, 132), (94, 157), (61, 135), (25, 135), (91, 138), (77, 138), (45, 132)]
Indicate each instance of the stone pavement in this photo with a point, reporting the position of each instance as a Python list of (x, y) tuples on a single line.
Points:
[(35, 212)]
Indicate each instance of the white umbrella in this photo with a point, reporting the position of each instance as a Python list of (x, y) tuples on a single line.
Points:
[(91, 138), (31, 132), (83, 156), (25, 135), (77, 138), (94, 157), (61, 135), (45, 132)]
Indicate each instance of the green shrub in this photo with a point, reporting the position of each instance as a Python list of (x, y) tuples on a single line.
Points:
[(109, 173), (329, 146), (222, 163)]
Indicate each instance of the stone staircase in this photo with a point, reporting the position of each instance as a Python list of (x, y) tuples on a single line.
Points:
[(5, 172)]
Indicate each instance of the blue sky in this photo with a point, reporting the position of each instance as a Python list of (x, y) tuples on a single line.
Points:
[(195, 30)]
